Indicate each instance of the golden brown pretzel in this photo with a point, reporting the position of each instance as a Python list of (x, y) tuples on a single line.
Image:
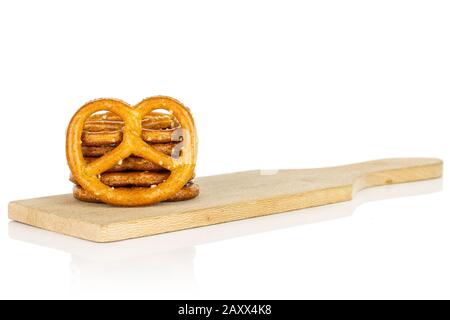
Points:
[(154, 120), (103, 138), (132, 178), (131, 164), (182, 168), (99, 151), (189, 191)]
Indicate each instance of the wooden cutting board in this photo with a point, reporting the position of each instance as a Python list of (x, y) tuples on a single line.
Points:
[(223, 198)]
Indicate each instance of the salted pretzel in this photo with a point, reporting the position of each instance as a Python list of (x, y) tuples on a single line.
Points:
[(87, 174), (131, 164), (110, 122), (106, 129), (166, 148), (132, 178), (93, 138), (189, 191)]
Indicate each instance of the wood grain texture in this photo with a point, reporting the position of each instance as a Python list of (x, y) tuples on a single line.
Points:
[(223, 198)]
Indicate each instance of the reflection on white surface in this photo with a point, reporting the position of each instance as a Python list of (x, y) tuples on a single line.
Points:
[(166, 261)]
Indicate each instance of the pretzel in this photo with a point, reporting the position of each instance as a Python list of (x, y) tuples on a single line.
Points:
[(110, 122), (99, 151), (86, 175), (131, 179), (189, 191), (103, 138), (106, 129), (131, 164)]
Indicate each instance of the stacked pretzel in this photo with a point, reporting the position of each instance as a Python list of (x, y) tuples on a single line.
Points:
[(101, 136)]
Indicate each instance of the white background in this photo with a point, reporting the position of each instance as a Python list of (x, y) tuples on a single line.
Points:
[(272, 84)]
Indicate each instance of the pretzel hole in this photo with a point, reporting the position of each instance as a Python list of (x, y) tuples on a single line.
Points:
[(162, 111), (102, 132), (104, 121), (172, 133)]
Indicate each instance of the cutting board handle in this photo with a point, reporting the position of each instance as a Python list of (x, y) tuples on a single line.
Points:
[(388, 171)]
